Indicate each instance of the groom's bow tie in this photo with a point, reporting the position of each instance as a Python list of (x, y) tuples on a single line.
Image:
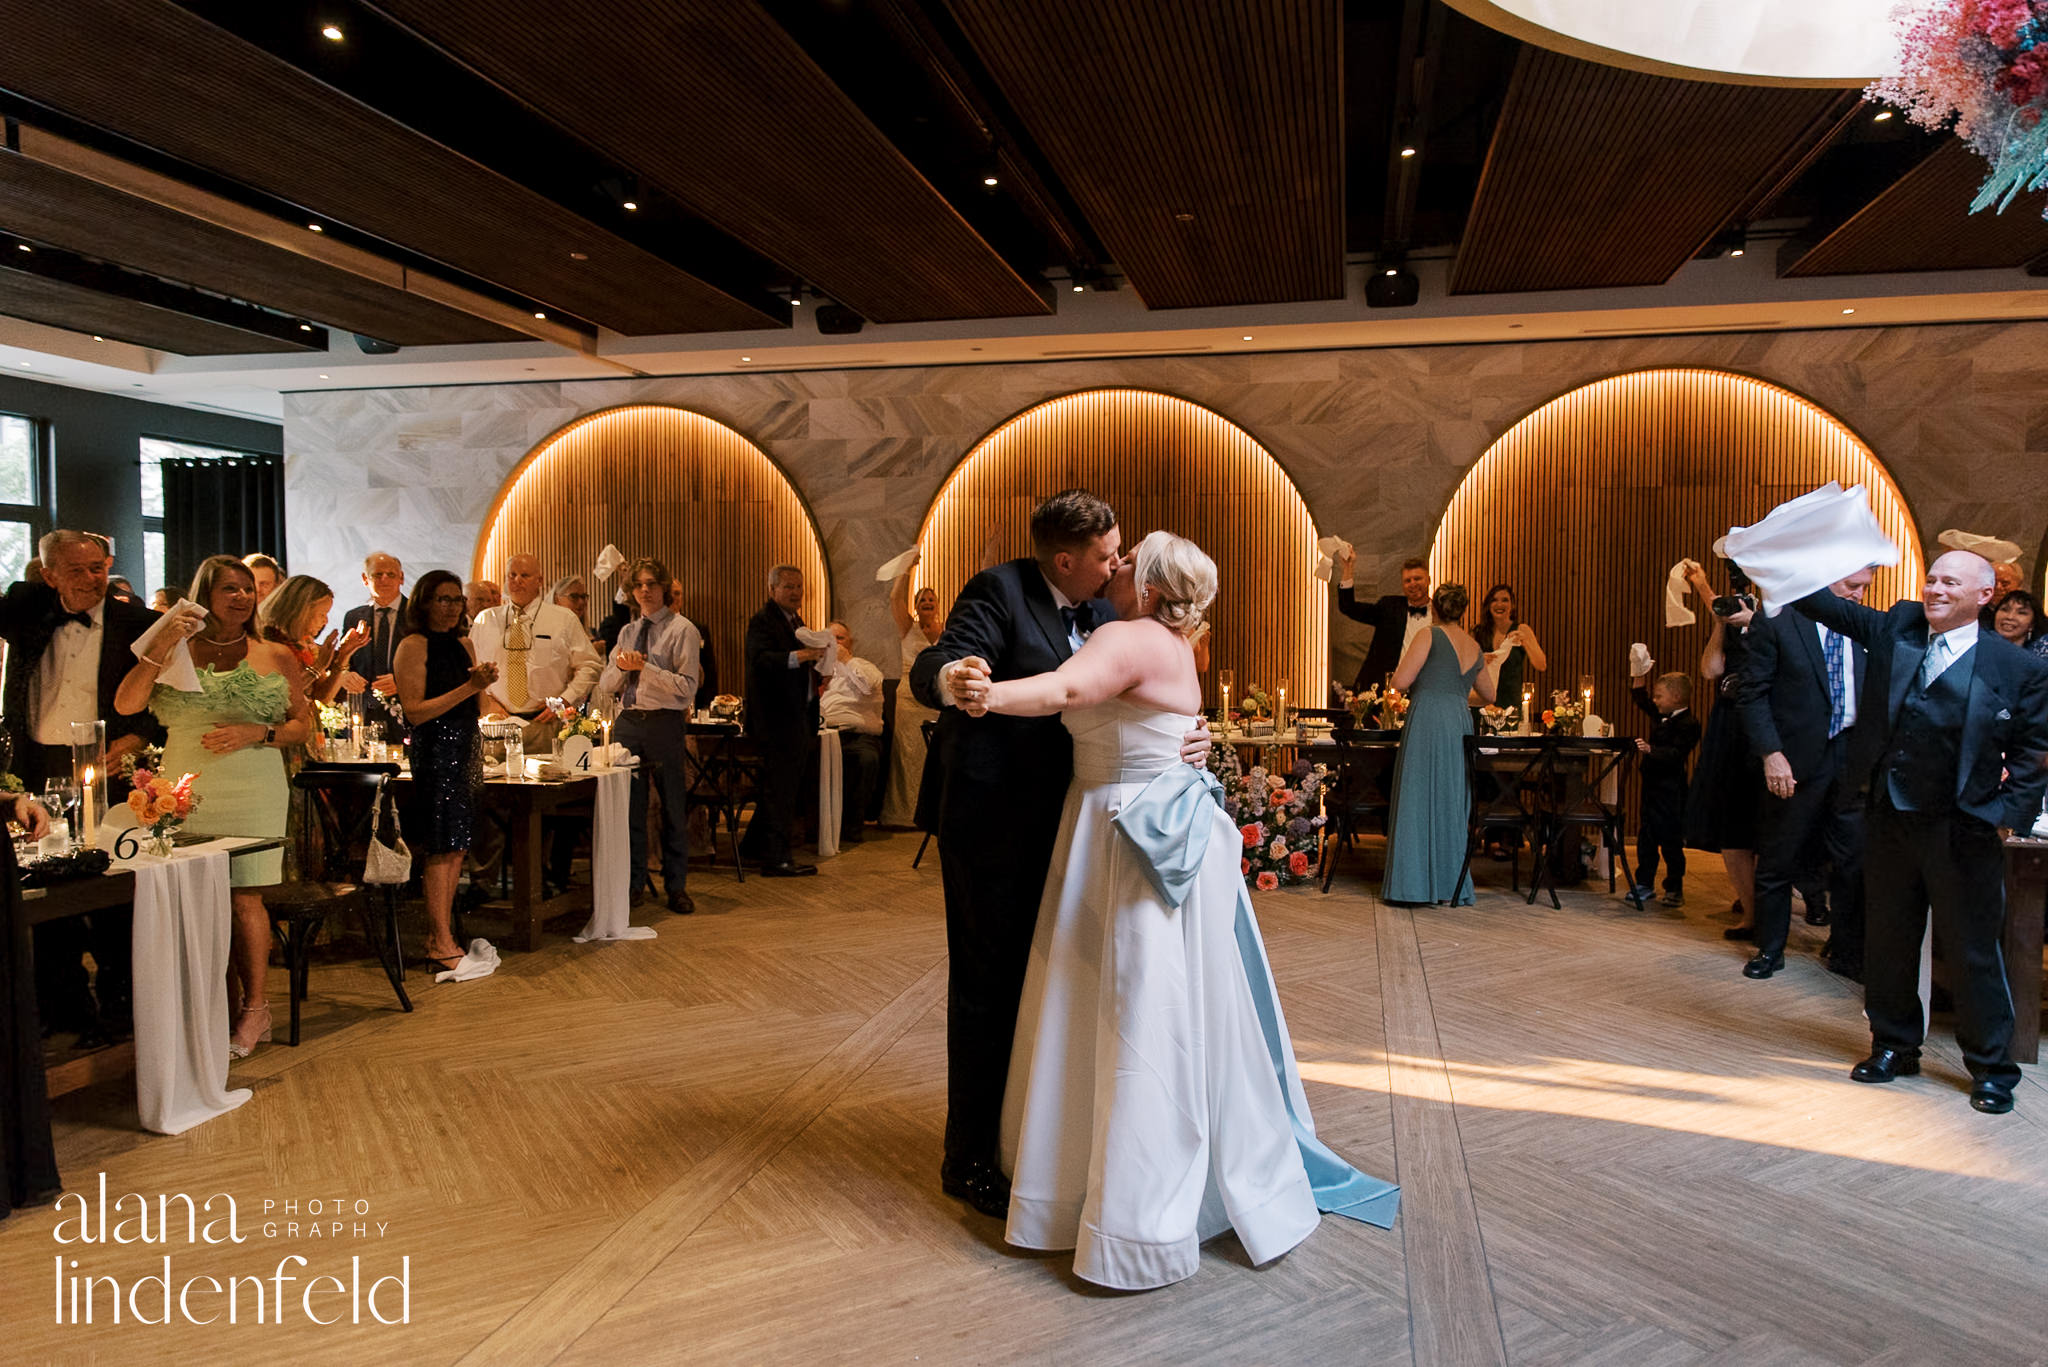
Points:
[(1418, 612), (1071, 617)]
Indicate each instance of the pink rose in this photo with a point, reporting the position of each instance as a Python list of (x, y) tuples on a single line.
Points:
[(1297, 864), (1250, 834), (1278, 849), (1283, 797), (1268, 881)]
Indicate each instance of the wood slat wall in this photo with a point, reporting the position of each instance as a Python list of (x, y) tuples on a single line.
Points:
[(1162, 462), (1584, 506), (1922, 222), (672, 484)]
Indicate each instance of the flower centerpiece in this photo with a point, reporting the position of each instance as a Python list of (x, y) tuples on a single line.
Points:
[(1566, 714), (1278, 818), (577, 723), (1393, 710), (1364, 706), (161, 806), (1982, 64)]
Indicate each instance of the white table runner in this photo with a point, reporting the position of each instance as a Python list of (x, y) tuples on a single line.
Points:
[(611, 862)]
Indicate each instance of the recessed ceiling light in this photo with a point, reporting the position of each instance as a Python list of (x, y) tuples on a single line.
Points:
[(1407, 151), (579, 256), (97, 338), (305, 327), (1392, 271), (1848, 311), (538, 314), (315, 228), (331, 32), (796, 301), (1880, 116), (1247, 336), (323, 377), (1735, 251), (746, 358), (1077, 289), (631, 205), (26, 366), (988, 180), (23, 246), (1183, 218)]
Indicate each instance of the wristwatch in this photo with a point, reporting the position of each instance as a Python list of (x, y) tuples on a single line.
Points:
[(270, 735)]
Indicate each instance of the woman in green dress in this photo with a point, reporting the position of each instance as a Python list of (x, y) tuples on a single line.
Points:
[(1432, 808), (232, 733)]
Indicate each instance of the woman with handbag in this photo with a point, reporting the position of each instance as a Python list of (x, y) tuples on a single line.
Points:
[(439, 681)]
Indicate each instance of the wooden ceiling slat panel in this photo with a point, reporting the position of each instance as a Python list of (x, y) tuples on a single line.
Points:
[(1230, 110), (62, 210), (165, 78), (60, 304), (1599, 177), (764, 145), (1922, 222)]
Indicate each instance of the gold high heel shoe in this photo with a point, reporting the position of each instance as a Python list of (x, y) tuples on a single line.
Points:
[(237, 1049)]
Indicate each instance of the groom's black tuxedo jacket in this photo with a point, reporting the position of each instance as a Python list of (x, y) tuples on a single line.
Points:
[(993, 768)]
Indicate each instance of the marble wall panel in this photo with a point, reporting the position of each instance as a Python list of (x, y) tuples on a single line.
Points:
[(1377, 440)]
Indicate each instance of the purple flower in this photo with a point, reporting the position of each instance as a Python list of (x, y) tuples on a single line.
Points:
[(1299, 827)]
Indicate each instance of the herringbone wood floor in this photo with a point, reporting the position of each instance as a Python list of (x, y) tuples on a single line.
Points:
[(721, 1146)]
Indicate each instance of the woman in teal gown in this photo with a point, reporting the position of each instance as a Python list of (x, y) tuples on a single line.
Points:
[(1432, 808), (232, 734)]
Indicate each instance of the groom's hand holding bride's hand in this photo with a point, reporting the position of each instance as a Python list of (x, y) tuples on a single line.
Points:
[(966, 681)]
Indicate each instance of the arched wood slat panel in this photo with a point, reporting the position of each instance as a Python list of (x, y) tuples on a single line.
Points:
[(1162, 462), (1585, 504), (666, 482)]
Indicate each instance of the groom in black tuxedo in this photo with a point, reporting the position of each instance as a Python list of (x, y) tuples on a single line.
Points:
[(1389, 617), (1004, 782), (1953, 740)]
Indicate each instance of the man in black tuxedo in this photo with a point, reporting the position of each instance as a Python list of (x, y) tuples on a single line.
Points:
[(1001, 783), (1393, 619), (782, 718), (369, 672), (1797, 696), (1953, 745), (69, 645)]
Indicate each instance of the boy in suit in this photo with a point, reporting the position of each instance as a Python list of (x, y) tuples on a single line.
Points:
[(1660, 820)]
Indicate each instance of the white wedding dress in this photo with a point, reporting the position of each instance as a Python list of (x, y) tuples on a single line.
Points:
[(1149, 1107)]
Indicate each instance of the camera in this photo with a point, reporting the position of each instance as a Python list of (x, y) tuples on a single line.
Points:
[(1727, 605)]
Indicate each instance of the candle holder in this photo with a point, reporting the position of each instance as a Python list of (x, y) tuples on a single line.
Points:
[(1528, 709), (89, 774), (1226, 679), (1279, 706)]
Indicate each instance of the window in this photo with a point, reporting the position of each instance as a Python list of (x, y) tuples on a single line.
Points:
[(155, 451), (22, 515)]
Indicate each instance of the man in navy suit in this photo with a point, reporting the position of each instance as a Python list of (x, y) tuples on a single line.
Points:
[(370, 670), (1004, 782), (1953, 743)]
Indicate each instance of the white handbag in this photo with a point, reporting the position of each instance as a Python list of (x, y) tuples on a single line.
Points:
[(392, 863)]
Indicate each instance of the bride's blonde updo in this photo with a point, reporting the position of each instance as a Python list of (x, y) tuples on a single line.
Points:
[(1184, 575)]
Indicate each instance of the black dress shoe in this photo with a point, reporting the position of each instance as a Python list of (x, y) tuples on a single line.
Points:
[(681, 903), (1739, 933), (1885, 1064), (1991, 1097), (1763, 965), (788, 868), (980, 1185), (1817, 916)]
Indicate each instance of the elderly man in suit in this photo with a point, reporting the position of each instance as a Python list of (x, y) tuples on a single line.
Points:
[(782, 718), (370, 670), (1394, 619), (69, 645), (1953, 747), (1000, 783), (1797, 696)]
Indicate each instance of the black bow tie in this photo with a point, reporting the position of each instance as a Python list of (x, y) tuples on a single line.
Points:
[(1418, 612), (1071, 616), (83, 619)]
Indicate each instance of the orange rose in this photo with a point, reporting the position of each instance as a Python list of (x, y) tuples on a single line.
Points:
[(1250, 835), (138, 803), (163, 807), (1268, 881), (1297, 864)]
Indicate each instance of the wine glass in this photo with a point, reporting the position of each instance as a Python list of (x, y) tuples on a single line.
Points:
[(58, 796)]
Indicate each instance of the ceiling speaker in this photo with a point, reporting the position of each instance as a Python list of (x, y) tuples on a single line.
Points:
[(837, 320), (372, 346), (1392, 289)]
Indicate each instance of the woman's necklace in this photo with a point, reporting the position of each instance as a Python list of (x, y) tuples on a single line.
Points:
[(232, 640)]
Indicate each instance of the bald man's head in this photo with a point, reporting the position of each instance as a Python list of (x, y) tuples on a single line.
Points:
[(1959, 586), (522, 578)]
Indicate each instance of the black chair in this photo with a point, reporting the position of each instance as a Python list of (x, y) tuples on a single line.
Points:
[(1357, 795), (335, 804), (1508, 776), (925, 729), (1580, 768)]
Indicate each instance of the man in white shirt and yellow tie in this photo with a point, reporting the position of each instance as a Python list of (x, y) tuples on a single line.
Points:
[(653, 672), (540, 648)]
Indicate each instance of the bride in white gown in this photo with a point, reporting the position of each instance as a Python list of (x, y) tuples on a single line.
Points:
[(1153, 1098)]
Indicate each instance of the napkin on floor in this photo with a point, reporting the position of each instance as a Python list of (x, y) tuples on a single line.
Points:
[(480, 960), (177, 671), (1329, 550), (895, 565), (1639, 660), (1676, 613), (608, 561), (1997, 551), (1804, 545)]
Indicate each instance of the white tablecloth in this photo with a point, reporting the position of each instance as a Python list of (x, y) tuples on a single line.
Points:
[(611, 862), (831, 792), (182, 921)]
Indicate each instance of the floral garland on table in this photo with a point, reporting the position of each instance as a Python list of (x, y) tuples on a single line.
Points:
[(1278, 818), (1984, 65)]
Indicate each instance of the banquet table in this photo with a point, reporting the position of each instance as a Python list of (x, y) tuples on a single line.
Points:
[(180, 949), (2026, 900), (724, 770)]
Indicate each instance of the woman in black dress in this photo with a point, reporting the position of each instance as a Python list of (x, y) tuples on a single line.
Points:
[(1721, 808), (439, 681), (25, 1144)]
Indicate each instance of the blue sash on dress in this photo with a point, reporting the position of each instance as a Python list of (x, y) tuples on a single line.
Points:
[(1170, 824)]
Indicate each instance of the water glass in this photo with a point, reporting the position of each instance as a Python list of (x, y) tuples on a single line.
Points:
[(515, 757)]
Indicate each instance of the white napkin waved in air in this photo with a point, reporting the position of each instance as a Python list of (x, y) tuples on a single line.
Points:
[(1994, 549), (177, 671), (1804, 545), (608, 561), (1329, 550), (1639, 660), (1676, 613), (480, 960), (893, 568), (817, 638)]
